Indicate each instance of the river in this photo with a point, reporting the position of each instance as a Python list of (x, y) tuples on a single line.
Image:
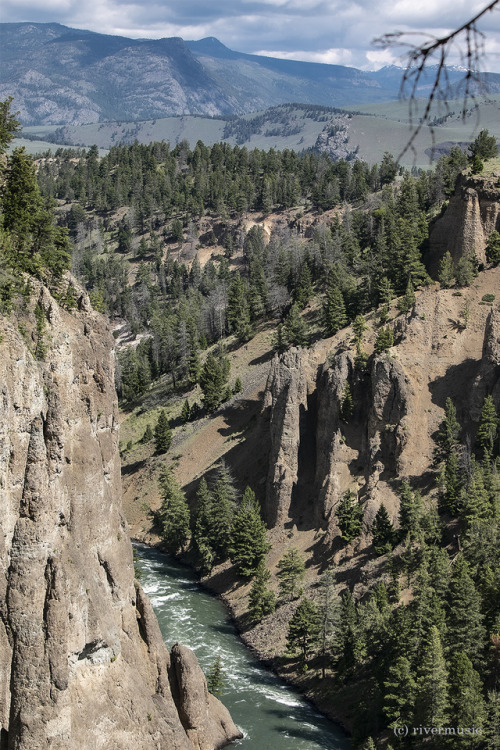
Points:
[(271, 715)]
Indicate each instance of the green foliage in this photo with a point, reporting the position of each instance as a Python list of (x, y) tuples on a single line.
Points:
[(359, 326), (399, 693), (186, 412), (173, 515), (213, 379), (238, 385), (446, 273), (148, 434), (349, 514), (304, 630), (488, 426), (483, 147), (291, 572), (162, 433), (248, 545), (346, 404), (406, 302), (215, 678), (493, 248), (41, 344), (334, 312), (432, 683), (384, 340), (9, 126), (262, 600), (383, 532)]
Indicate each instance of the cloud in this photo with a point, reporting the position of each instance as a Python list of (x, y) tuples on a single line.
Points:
[(336, 31)]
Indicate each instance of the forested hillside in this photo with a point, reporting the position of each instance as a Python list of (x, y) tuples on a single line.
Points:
[(387, 612)]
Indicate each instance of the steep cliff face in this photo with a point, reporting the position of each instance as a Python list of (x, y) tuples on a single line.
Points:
[(82, 661), (398, 405), (473, 213)]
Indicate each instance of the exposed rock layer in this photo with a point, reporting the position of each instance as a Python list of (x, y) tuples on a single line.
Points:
[(82, 660)]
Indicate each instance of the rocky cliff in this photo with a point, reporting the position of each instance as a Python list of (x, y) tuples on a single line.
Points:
[(398, 404), (82, 661), (473, 213)]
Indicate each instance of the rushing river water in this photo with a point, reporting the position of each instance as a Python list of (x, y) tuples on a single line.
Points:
[(271, 715)]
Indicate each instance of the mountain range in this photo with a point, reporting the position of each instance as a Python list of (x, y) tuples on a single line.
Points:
[(59, 75)]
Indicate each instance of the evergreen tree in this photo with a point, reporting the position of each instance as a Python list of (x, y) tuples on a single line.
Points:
[(383, 532), (346, 405), (215, 679), (202, 529), (448, 433), (359, 326), (493, 726), (446, 273), (248, 545), (488, 426), (148, 434), (186, 412), (334, 311), (163, 433), (221, 512), (173, 514), (213, 379), (406, 302), (410, 511), (261, 599), (349, 645), (399, 693), (484, 146), (467, 705), (304, 289), (238, 386), (492, 248), (450, 485), (329, 616), (384, 340), (349, 514), (431, 704), (291, 572), (304, 630), (295, 328), (465, 619)]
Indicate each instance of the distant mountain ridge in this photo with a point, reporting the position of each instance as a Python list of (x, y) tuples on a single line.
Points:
[(59, 75)]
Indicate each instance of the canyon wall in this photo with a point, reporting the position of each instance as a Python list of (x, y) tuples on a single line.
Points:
[(82, 660)]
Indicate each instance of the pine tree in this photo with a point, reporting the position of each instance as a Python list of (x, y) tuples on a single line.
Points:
[(493, 726), (202, 528), (406, 302), (213, 381), (488, 426), (173, 515), (248, 545), (291, 572), (261, 599), (163, 433), (349, 514), (399, 693), (447, 439), (304, 288), (186, 412), (329, 604), (431, 704), (304, 630), (446, 273), (410, 511), (215, 680), (359, 326), (334, 311), (465, 631), (383, 532), (148, 434), (346, 405), (384, 340), (349, 645), (467, 705), (295, 328)]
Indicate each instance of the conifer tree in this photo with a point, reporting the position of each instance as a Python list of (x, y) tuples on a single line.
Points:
[(186, 412), (329, 604), (467, 705), (406, 302), (215, 679), (431, 704), (334, 311), (163, 433), (304, 630), (349, 645), (359, 326), (222, 506), (173, 515), (304, 289), (262, 600), (346, 404), (384, 340), (410, 510), (202, 528), (295, 328), (213, 381), (492, 733), (446, 273), (465, 629), (349, 514), (248, 545), (383, 532), (148, 434), (488, 426), (447, 439), (399, 693), (291, 572)]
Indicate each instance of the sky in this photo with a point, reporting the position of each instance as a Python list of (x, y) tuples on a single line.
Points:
[(330, 31)]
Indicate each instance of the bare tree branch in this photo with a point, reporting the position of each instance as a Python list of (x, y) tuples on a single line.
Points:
[(469, 41)]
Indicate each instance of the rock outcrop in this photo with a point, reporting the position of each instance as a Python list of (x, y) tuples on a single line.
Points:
[(82, 661), (473, 213), (398, 404)]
